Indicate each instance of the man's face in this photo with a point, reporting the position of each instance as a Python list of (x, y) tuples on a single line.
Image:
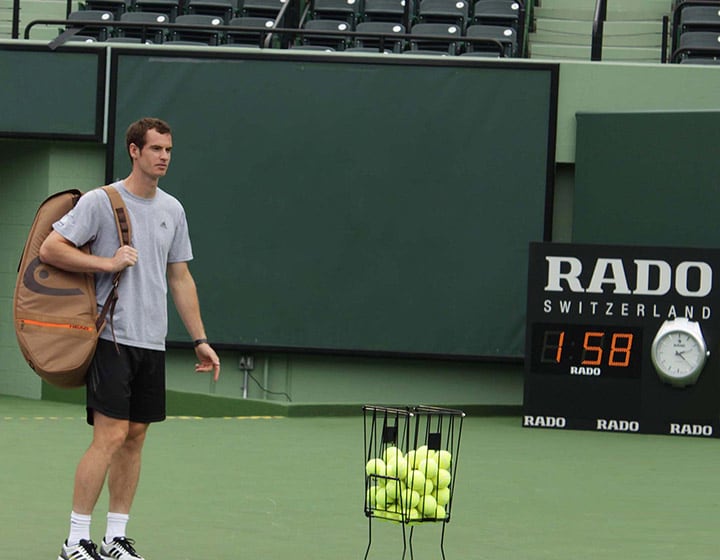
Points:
[(154, 158)]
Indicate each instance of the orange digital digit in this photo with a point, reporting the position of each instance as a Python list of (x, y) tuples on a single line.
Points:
[(593, 345), (621, 344), (552, 342)]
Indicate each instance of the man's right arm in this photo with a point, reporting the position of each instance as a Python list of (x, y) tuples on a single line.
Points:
[(61, 253)]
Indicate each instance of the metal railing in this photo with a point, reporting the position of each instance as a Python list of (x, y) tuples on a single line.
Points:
[(598, 30)]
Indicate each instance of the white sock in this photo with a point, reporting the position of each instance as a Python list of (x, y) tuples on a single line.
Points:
[(79, 528), (116, 525)]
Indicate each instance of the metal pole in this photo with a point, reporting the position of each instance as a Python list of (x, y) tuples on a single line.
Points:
[(16, 19)]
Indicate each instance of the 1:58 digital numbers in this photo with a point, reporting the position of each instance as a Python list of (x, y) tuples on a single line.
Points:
[(591, 349)]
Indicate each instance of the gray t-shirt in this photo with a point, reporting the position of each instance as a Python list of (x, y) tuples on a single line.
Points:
[(160, 235)]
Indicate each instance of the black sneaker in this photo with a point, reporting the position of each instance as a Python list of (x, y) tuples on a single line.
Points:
[(84, 550), (120, 548)]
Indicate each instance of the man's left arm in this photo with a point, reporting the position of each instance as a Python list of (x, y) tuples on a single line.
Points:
[(184, 293)]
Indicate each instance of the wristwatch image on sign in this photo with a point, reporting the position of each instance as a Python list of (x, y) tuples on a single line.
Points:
[(679, 352)]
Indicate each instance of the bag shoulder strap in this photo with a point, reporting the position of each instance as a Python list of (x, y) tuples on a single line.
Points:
[(122, 219), (124, 229)]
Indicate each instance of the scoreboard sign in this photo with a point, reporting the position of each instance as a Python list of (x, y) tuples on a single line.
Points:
[(623, 339)]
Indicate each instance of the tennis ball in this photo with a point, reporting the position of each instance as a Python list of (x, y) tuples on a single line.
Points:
[(391, 453), (429, 486), (416, 480), (377, 498), (410, 458), (444, 459), (375, 467), (393, 488), (429, 468), (440, 512), (442, 495), (407, 500), (427, 506), (397, 468), (421, 453), (443, 478)]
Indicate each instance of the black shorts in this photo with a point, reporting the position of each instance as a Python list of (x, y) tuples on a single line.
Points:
[(129, 385)]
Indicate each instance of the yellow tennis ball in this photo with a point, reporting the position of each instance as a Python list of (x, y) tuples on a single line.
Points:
[(390, 453), (416, 480), (397, 468), (440, 512), (427, 506), (377, 498), (442, 495), (443, 478), (393, 488), (444, 459), (421, 453), (429, 468), (375, 467)]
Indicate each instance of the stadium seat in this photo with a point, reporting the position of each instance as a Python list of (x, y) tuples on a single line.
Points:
[(700, 18), (439, 38), (199, 36), (99, 31), (172, 8), (444, 11), (500, 41), (497, 12), (337, 10), (152, 34), (697, 44), (337, 41), (245, 37), (117, 7), (224, 9), (375, 43), (261, 8), (386, 10)]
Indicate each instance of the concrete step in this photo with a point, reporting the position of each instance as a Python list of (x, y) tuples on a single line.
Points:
[(618, 10), (549, 51)]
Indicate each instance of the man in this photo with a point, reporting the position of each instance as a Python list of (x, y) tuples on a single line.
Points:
[(126, 380)]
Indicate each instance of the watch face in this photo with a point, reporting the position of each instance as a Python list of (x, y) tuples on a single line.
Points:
[(678, 354)]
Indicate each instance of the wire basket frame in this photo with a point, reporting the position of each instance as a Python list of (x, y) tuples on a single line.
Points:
[(411, 460)]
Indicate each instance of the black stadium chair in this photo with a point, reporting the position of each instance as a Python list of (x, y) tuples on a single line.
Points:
[(172, 8), (443, 38), (197, 36), (224, 9), (497, 12), (101, 21), (697, 45), (152, 34), (700, 18), (245, 37), (499, 41), (346, 10), (386, 10), (117, 7), (337, 41), (375, 43), (261, 8), (444, 11)]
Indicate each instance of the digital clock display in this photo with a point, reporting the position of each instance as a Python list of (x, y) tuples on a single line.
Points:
[(590, 351)]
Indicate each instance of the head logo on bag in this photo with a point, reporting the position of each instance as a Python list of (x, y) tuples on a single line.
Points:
[(32, 284)]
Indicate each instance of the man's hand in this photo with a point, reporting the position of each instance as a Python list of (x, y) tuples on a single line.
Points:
[(124, 257), (209, 360)]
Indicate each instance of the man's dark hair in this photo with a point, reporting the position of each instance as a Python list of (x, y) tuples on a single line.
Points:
[(136, 131)]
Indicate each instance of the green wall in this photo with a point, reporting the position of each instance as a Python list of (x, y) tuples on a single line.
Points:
[(31, 169)]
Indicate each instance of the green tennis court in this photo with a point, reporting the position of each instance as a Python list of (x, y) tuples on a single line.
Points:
[(292, 489)]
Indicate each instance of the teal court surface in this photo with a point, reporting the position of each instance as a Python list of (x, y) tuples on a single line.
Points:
[(268, 488)]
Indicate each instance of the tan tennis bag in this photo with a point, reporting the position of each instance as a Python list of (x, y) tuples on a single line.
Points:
[(56, 319)]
